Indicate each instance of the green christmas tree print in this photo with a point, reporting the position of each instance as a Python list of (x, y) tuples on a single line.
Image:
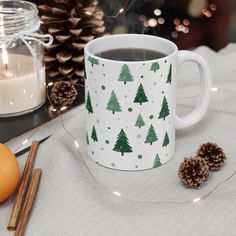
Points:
[(166, 140), (125, 74), (113, 104), (93, 61), (122, 143), (164, 109), (139, 122), (151, 136), (169, 77), (140, 95), (87, 138), (85, 73), (89, 104), (94, 134), (157, 162), (155, 66)]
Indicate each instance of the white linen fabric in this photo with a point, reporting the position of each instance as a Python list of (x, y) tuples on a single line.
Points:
[(70, 203)]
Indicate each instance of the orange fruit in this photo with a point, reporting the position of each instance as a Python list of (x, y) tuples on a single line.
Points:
[(9, 172)]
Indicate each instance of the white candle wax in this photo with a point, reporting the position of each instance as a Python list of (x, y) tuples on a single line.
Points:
[(20, 89)]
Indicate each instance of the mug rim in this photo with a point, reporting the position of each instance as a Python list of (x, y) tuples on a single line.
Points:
[(97, 40)]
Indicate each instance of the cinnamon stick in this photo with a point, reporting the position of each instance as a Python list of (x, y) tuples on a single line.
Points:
[(20, 197), (29, 201)]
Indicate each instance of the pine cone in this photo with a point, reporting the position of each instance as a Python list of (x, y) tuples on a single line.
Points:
[(72, 23), (193, 171), (63, 93), (213, 155)]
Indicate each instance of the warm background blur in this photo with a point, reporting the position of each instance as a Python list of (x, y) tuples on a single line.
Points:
[(189, 23)]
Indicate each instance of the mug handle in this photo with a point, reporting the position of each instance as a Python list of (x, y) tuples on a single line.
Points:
[(205, 89)]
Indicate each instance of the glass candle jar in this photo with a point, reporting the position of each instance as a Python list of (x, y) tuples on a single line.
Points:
[(22, 70)]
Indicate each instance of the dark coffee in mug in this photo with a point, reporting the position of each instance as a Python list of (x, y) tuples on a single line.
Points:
[(131, 54)]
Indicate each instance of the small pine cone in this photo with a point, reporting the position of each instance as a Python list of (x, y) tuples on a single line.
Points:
[(193, 171), (63, 93), (213, 155)]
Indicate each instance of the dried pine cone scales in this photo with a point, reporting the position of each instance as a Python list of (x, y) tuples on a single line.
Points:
[(193, 172), (63, 93), (213, 155), (72, 23)]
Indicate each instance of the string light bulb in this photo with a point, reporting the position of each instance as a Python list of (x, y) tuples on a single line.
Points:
[(25, 141), (63, 108), (121, 10), (196, 199), (214, 89), (117, 193), (76, 144)]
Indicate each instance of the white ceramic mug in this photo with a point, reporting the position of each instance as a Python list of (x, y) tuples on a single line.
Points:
[(131, 105)]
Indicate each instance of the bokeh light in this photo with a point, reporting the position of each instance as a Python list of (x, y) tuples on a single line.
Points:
[(180, 27), (157, 12), (174, 34), (145, 23), (213, 7), (176, 21), (142, 18), (186, 22), (206, 13), (161, 20), (186, 30), (152, 22)]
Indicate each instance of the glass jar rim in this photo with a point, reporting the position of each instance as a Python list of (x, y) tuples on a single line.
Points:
[(16, 16)]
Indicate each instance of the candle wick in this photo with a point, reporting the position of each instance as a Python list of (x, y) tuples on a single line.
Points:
[(6, 66)]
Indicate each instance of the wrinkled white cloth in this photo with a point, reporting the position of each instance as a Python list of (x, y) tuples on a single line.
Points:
[(69, 203)]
